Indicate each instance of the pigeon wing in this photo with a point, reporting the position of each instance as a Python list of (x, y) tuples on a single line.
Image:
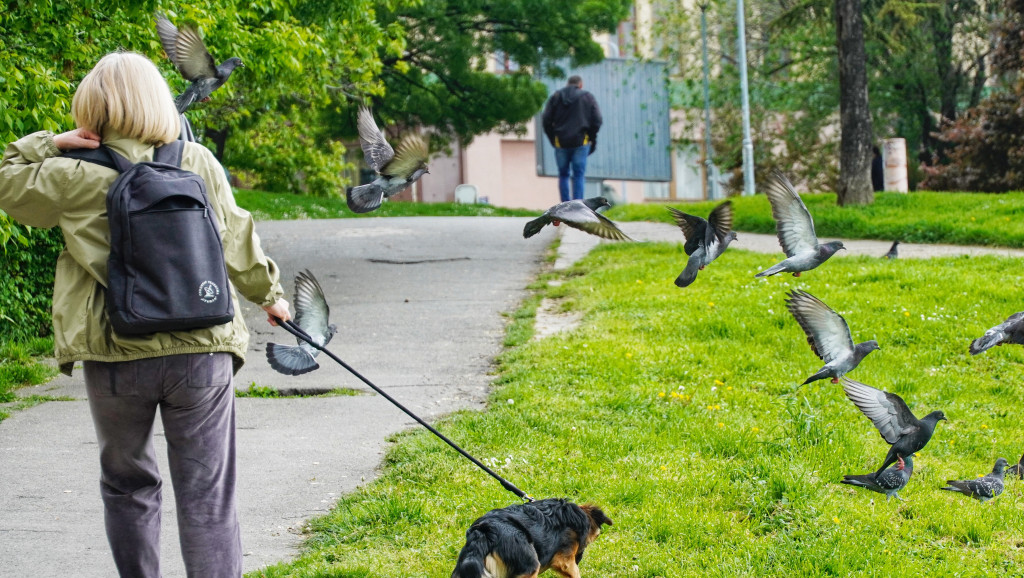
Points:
[(720, 219), (411, 154), (887, 411), (579, 216), (693, 228), (311, 311), (376, 150), (290, 359), (793, 223), (827, 331), (191, 57), (168, 36)]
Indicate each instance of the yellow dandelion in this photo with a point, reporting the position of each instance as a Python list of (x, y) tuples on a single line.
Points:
[(729, 388), (629, 356), (711, 303), (664, 468), (972, 218), (755, 429), (984, 426), (718, 406), (719, 382), (836, 520), (639, 282), (661, 394), (711, 408), (906, 314), (720, 424)]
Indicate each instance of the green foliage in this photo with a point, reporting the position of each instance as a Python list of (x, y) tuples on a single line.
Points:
[(25, 295), (18, 368), (679, 412), (920, 217)]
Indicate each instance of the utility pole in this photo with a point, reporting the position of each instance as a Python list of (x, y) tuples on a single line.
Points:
[(748, 145)]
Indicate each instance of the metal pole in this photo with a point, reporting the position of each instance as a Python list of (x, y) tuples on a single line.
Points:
[(708, 163), (748, 145)]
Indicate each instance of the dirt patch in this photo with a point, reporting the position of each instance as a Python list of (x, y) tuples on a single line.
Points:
[(549, 320)]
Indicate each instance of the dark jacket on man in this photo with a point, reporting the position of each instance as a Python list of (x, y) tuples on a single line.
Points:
[(571, 118)]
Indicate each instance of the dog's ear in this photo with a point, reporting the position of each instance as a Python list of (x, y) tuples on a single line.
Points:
[(596, 514)]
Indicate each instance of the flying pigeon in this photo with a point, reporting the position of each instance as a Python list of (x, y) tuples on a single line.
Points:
[(311, 314), (828, 335), (795, 229), (396, 170), (889, 482), (705, 240), (981, 489), (1017, 469), (1009, 331), (893, 253), (894, 421), (186, 50), (579, 214)]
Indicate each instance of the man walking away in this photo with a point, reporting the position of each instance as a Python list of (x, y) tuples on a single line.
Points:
[(571, 120)]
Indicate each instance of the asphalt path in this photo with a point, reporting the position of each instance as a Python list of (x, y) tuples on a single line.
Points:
[(418, 303)]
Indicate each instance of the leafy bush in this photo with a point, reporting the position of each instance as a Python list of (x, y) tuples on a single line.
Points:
[(25, 296)]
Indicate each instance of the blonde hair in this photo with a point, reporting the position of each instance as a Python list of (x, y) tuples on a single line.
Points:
[(125, 93)]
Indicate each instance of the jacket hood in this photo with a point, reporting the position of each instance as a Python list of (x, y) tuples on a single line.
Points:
[(570, 94)]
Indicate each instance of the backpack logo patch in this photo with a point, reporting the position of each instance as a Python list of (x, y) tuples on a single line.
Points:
[(208, 292)]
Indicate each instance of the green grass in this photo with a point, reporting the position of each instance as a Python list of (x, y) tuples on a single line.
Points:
[(19, 367), (925, 217), (678, 411), (271, 206), (263, 391)]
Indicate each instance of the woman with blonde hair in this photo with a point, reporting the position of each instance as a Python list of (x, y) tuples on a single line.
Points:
[(125, 104)]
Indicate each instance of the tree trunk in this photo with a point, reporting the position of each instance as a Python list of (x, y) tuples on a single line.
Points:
[(854, 114)]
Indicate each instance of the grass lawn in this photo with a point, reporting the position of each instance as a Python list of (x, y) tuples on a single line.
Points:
[(19, 367), (926, 217), (678, 411), (271, 206)]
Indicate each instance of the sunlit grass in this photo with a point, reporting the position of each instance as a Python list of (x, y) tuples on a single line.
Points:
[(678, 411), (925, 217)]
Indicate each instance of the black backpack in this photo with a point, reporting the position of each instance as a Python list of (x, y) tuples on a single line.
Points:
[(166, 270)]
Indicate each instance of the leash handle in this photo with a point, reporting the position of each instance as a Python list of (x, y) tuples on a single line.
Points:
[(299, 333)]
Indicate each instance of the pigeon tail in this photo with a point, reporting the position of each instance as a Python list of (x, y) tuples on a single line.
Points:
[(534, 227), (693, 265), (184, 100), (778, 268), (986, 342), (365, 198), (862, 481), (823, 373), (290, 359)]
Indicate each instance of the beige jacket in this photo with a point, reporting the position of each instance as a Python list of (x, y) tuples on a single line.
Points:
[(39, 188)]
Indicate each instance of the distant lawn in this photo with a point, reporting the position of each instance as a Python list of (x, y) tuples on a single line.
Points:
[(20, 367), (282, 206), (926, 217), (678, 411)]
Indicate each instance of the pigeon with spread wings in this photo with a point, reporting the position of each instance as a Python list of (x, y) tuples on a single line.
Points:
[(828, 335), (396, 170), (706, 240), (1009, 331), (795, 230), (894, 420), (186, 50), (311, 314), (579, 214)]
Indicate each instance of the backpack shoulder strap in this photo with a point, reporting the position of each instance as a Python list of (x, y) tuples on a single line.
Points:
[(99, 156), (170, 153)]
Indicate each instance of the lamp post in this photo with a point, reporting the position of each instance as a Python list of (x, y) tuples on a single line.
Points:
[(748, 145)]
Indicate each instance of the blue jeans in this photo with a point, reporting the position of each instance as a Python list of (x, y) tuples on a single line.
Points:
[(576, 159)]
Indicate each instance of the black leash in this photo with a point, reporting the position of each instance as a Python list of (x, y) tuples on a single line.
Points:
[(299, 333)]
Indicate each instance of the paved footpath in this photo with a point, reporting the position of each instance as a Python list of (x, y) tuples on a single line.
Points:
[(418, 302)]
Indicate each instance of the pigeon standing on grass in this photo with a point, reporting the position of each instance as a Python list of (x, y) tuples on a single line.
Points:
[(1017, 469), (312, 315), (795, 229), (828, 335), (893, 253), (705, 240), (1009, 331), (186, 50), (579, 214), (894, 421), (888, 482), (396, 170), (981, 489)]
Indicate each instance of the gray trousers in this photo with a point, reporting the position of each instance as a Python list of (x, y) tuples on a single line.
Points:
[(196, 399)]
